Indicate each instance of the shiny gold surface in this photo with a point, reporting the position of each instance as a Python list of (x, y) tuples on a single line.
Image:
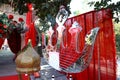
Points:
[(28, 60)]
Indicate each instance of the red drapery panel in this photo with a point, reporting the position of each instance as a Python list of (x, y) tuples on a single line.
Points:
[(31, 33), (103, 64), (1, 42), (14, 41)]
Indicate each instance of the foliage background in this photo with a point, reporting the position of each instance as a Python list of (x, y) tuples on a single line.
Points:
[(117, 35)]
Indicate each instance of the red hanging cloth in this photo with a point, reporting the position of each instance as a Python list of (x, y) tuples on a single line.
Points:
[(31, 33), (103, 64), (1, 42), (14, 41)]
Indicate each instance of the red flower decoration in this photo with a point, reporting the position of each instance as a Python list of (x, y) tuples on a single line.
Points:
[(5, 26), (10, 17), (20, 20)]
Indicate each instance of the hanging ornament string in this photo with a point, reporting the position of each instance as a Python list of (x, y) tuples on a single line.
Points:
[(61, 18)]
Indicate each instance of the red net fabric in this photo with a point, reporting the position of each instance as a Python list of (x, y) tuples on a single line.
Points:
[(103, 64)]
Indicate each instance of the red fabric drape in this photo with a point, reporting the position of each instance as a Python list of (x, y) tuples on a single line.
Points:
[(29, 14), (31, 33), (14, 41), (54, 38), (103, 64), (1, 42), (28, 18)]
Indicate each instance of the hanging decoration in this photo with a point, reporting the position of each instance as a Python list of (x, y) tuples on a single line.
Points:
[(12, 30), (8, 25), (69, 45), (14, 42), (31, 33), (3, 27), (80, 59), (61, 18)]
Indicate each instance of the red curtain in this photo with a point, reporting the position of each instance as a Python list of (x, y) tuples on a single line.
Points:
[(103, 64)]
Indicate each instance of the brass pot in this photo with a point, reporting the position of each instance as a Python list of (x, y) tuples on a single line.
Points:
[(28, 60)]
